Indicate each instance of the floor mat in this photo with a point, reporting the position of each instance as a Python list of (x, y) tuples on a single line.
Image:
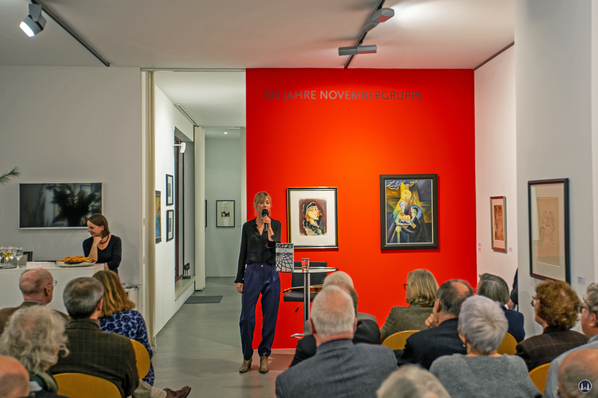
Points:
[(203, 300)]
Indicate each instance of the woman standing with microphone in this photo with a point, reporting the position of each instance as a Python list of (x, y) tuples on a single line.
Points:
[(258, 252)]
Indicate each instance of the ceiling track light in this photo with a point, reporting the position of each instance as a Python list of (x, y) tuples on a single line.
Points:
[(354, 50), (379, 16), (34, 22)]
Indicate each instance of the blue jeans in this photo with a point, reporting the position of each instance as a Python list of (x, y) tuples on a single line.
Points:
[(259, 278)]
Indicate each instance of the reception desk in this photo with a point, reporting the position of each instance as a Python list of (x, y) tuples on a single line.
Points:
[(11, 296)]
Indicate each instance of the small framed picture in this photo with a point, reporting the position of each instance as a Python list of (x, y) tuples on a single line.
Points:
[(158, 217), (549, 229), (225, 213), (409, 211), (169, 225), (312, 217), (498, 216), (169, 190)]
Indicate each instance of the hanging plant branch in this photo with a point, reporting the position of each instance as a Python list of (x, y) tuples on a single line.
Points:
[(6, 177)]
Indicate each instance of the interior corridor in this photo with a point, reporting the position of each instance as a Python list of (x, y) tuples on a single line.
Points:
[(201, 347)]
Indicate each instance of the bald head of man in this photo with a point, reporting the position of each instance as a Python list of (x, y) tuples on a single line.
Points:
[(14, 379), (578, 366), (37, 285)]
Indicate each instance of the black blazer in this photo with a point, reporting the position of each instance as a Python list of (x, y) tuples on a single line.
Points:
[(543, 348), (424, 347), (367, 332)]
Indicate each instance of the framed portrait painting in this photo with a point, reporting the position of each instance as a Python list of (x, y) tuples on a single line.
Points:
[(408, 211), (158, 217), (498, 219), (549, 229), (312, 219)]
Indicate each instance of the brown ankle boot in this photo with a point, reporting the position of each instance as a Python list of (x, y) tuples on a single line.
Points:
[(264, 364), (245, 366)]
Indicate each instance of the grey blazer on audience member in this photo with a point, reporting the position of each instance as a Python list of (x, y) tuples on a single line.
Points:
[(339, 369)]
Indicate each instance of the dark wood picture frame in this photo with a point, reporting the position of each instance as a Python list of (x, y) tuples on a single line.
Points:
[(549, 244), (400, 226), (169, 190), (169, 225)]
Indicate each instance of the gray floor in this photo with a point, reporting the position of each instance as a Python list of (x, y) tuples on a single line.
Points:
[(200, 347)]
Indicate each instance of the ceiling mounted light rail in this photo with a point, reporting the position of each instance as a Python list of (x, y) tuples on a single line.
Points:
[(379, 16), (34, 22), (357, 50)]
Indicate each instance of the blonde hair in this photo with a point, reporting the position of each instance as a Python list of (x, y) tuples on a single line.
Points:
[(259, 197), (115, 297), (423, 287)]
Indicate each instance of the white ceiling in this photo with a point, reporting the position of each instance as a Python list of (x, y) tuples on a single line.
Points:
[(239, 34)]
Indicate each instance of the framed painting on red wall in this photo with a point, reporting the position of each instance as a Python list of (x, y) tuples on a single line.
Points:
[(409, 211), (312, 218)]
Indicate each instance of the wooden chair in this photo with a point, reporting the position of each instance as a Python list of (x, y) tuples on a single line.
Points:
[(397, 341), (508, 345), (143, 358), (538, 376), (79, 385)]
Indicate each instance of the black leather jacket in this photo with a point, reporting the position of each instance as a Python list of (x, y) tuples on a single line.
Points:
[(256, 248)]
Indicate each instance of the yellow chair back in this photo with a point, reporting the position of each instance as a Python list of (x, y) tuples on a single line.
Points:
[(79, 385), (538, 376), (508, 345), (397, 341), (143, 358)]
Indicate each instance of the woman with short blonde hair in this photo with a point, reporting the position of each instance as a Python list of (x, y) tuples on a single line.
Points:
[(420, 294)]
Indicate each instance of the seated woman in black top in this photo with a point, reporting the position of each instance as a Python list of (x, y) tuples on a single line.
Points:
[(104, 247)]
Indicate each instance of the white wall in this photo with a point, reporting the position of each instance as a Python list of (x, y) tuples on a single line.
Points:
[(496, 163), (223, 182), (73, 124), (166, 117), (553, 69)]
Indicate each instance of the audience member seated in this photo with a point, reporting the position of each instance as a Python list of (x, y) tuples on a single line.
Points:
[(420, 293), (589, 326), (578, 374), (556, 305), (117, 363), (411, 381), (341, 278), (37, 286), (483, 372), (35, 336), (442, 338), (495, 288), (14, 380), (366, 332), (339, 368), (118, 315)]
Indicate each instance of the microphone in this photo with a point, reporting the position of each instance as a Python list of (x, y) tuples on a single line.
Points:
[(265, 213)]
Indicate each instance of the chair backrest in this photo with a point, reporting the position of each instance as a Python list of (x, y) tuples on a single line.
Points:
[(397, 341), (79, 385), (538, 376), (508, 345), (143, 358), (314, 279)]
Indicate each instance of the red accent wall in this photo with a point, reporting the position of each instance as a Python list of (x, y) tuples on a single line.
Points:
[(349, 143)]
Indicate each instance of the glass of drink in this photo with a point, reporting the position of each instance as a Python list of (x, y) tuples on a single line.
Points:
[(305, 264), (19, 255)]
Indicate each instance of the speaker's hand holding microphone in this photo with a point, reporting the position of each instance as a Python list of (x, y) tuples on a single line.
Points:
[(266, 220)]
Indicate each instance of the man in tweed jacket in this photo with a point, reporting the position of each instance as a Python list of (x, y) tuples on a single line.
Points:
[(106, 355), (339, 368)]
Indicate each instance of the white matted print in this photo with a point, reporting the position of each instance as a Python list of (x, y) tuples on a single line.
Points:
[(312, 220)]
